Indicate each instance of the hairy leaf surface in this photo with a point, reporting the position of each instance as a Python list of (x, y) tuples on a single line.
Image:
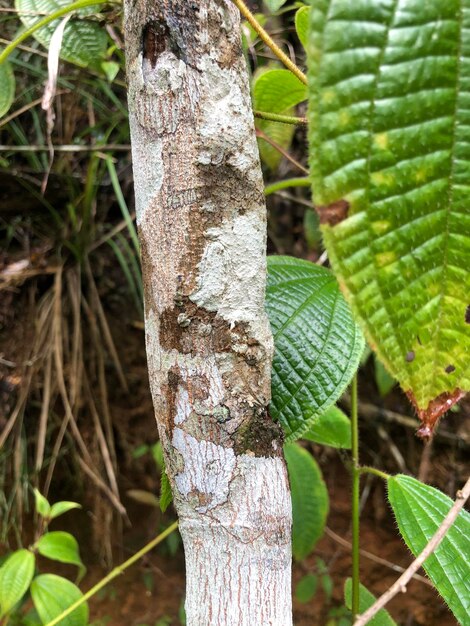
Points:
[(389, 86), (317, 343), (419, 510), (84, 42)]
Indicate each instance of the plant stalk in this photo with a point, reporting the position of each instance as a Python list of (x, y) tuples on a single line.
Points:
[(114, 573), (301, 181), (283, 119), (356, 475), (250, 18)]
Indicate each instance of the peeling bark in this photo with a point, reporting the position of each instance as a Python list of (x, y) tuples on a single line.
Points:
[(202, 227)]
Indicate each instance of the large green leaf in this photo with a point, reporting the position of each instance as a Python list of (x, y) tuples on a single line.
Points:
[(15, 577), (276, 91), (366, 600), (309, 499), (84, 42), (317, 344), (419, 511), (389, 86), (61, 546), (7, 87), (52, 595)]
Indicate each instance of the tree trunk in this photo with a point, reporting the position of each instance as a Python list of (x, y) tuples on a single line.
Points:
[(202, 224)]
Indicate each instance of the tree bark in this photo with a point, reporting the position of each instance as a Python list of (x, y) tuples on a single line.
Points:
[(202, 226)]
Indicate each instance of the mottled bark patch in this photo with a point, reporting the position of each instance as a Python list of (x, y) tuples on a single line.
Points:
[(259, 436), (190, 329)]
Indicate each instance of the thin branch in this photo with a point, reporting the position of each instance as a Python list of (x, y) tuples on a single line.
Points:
[(285, 184), (276, 146), (400, 584), (111, 147), (283, 119), (374, 557), (250, 18)]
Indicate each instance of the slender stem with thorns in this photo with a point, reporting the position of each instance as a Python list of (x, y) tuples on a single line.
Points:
[(400, 584)]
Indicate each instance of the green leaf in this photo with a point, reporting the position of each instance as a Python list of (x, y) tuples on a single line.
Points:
[(84, 42), (388, 113), (166, 495), (301, 24), (52, 595), (274, 5), (317, 344), (16, 575), (366, 600), (385, 383), (61, 546), (332, 428), (306, 588), (309, 499), (276, 91), (419, 511), (7, 87), (59, 508), (43, 507)]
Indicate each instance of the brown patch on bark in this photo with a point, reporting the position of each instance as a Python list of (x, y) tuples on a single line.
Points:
[(190, 329), (259, 436), (434, 411), (333, 213), (155, 40)]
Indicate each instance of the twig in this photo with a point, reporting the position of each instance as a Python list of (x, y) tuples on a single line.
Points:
[(374, 557), (400, 584), (282, 119), (114, 147), (276, 146), (248, 15)]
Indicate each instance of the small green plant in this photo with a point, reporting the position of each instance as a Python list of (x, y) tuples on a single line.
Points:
[(50, 594)]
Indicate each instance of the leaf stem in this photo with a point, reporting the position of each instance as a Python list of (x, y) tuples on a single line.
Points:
[(366, 469), (114, 573), (75, 6), (283, 119), (356, 475), (301, 181), (250, 18)]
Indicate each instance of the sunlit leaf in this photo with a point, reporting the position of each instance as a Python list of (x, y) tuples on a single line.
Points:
[(61, 546), (15, 577), (52, 595)]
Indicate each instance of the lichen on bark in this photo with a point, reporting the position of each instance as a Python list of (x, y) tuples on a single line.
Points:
[(202, 227)]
